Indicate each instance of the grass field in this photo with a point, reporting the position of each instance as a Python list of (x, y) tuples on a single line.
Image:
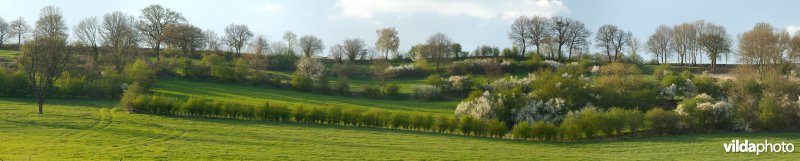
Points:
[(183, 88), (94, 130)]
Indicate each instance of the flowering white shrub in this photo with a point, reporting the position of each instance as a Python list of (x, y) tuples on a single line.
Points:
[(310, 67), (481, 107), (689, 89), (512, 82), (401, 68), (537, 110), (552, 64), (458, 83), (425, 92), (596, 70), (703, 97), (669, 91)]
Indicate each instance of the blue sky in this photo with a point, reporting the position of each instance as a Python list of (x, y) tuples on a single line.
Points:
[(470, 23)]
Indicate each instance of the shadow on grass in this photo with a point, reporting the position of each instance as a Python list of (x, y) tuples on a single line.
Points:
[(63, 102)]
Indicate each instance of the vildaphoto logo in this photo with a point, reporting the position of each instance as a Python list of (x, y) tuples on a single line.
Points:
[(752, 147)]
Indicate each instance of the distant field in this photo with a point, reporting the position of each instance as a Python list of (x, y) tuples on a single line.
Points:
[(8, 56), (93, 130), (258, 95)]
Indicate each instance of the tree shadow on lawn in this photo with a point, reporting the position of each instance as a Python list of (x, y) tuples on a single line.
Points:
[(69, 103)]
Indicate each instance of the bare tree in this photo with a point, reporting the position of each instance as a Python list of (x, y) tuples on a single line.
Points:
[(118, 31), (538, 31), (352, 47), (4, 31), (437, 47), (612, 40), (185, 37), (44, 58), (212, 41), (560, 28), (337, 52), (578, 37), (794, 48), (634, 46), (19, 28), (88, 33), (387, 41), (291, 41), (715, 41), (683, 40), (154, 21), (519, 33), (236, 36), (761, 45), (259, 46), (659, 43), (310, 45)]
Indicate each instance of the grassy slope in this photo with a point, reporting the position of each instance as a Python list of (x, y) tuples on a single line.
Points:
[(258, 95), (83, 130), (8, 56)]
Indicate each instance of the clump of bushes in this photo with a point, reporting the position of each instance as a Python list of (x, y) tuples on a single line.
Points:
[(426, 92)]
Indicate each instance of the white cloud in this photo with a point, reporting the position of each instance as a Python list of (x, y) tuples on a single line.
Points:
[(270, 7), (503, 9), (792, 29)]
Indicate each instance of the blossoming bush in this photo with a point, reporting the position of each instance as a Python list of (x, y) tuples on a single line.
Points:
[(426, 92), (404, 71)]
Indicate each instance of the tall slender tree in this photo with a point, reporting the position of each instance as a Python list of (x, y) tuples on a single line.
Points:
[(43, 59), (387, 41)]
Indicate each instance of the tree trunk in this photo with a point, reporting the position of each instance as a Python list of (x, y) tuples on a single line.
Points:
[(40, 101), (155, 50)]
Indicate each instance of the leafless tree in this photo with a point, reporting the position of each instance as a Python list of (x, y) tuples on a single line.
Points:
[(44, 58), (212, 41), (659, 43), (715, 41), (683, 40), (761, 45), (519, 33), (538, 31), (794, 48), (387, 41), (154, 21), (560, 28), (119, 35), (353, 47), (88, 33), (634, 46), (337, 52), (613, 40), (437, 47), (236, 36), (259, 46), (578, 37), (291, 41), (5, 31), (310, 45), (185, 37), (19, 28)]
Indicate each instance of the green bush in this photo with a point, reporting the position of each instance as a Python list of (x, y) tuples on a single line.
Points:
[(770, 117), (434, 80), (139, 72), (323, 85), (372, 91), (662, 122), (496, 128), (521, 130), (301, 82), (401, 120), (391, 90), (342, 86), (544, 131)]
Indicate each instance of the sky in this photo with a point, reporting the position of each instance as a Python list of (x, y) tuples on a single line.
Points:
[(468, 22)]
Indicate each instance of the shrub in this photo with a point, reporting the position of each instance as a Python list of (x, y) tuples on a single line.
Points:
[(300, 114), (317, 115), (521, 130), (434, 80), (334, 115), (323, 85), (770, 117), (662, 122), (342, 86), (458, 85), (131, 93), (544, 131), (301, 82), (401, 120), (425, 92), (140, 73), (391, 90), (466, 125), (482, 107), (404, 71), (496, 128), (310, 67), (352, 117)]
